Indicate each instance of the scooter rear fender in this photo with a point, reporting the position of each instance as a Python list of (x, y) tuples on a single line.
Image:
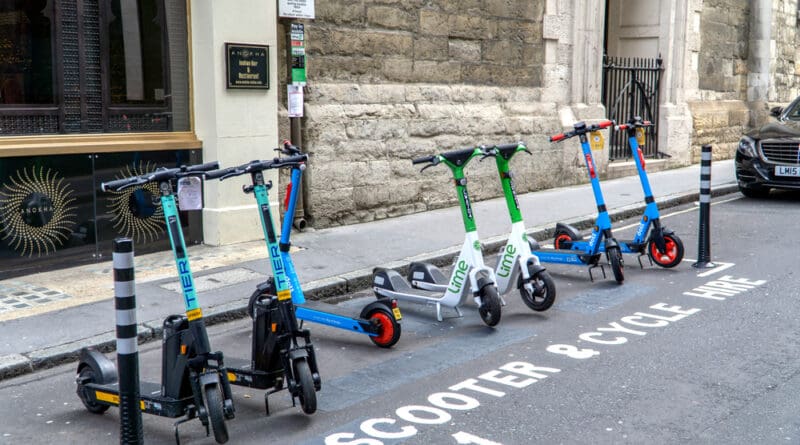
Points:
[(104, 370)]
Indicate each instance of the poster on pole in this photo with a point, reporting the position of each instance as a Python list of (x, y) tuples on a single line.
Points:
[(297, 9), (295, 95)]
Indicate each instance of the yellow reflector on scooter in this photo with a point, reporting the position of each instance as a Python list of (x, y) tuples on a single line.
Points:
[(284, 295), (107, 397), (194, 314), (231, 377), (274, 327)]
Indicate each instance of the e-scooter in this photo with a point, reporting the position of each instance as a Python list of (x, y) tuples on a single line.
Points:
[(516, 265), (276, 351), (379, 319), (426, 283), (194, 381), (601, 238), (662, 246)]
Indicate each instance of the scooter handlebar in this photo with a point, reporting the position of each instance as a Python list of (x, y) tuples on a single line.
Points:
[(162, 174), (423, 160)]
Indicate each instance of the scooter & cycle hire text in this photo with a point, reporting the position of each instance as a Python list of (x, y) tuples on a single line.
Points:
[(426, 283), (194, 381)]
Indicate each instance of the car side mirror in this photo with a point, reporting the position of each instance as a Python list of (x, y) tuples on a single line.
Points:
[(775, 111)]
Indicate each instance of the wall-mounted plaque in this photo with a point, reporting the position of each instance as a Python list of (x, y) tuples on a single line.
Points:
[(247, 66)]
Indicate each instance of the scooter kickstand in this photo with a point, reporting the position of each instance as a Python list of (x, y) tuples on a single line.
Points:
[(602, 269), (458, 311), (640, 260), (439, 312)]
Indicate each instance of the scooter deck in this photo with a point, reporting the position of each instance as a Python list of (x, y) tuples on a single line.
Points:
[(150, 396), (241, 373)]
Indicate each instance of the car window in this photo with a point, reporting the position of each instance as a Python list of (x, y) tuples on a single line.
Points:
[(793, 111)]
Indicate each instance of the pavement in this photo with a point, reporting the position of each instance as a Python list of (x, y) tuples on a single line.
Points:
[(46, 318)]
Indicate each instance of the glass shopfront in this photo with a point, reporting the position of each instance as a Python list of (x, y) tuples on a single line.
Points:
[(90, 73)]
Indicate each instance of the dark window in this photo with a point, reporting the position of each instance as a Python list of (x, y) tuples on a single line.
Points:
[(26, 52), (93, 66), (136, 41)]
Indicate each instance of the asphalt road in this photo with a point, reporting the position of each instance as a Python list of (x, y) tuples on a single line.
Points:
[(672, 355)]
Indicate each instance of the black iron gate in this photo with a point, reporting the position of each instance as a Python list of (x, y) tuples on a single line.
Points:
[(630, 88)]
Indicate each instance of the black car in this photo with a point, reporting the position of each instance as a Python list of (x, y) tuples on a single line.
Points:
[(769, 157)]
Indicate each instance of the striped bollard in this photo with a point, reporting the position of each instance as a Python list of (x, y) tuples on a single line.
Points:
[(130, 414), (704, 228)]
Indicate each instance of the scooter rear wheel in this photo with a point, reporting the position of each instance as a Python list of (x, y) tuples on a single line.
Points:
[(215, 412), (673, 254), (87, 375), (617, 266), (560, 239), (308, 394), (389, 332), (489, 309), (544, 291)]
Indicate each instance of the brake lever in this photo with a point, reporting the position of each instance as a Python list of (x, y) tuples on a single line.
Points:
[(528, 151)]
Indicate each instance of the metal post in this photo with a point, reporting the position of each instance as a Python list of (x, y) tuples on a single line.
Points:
[(130, 413), (704, 228)]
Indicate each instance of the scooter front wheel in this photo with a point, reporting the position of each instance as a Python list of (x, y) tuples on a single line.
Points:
[(543, 294), (672, 255), (308, 395), (617, 266), (489, 309), (389, 328), (214, 408)]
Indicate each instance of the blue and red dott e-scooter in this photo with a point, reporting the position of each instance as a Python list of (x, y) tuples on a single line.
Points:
[(601, 238), (662, 246)]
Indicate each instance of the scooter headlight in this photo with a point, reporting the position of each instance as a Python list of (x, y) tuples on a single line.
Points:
[(747, 146)]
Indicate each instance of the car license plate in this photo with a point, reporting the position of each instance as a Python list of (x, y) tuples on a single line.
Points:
[(396, 313), (787, 170)]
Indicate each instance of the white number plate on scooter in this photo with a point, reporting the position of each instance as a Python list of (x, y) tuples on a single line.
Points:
[(787, 170)]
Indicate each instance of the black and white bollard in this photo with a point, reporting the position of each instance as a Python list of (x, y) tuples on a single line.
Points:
[(130, 413), (704, 228)]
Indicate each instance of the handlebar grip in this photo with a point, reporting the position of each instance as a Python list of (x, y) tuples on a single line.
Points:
[(605, 124), (558, 137), (117, 183), (647, 124), (214, 174), (509, 146), (208, 166), (423, 160), (622, 127), (294, 159)]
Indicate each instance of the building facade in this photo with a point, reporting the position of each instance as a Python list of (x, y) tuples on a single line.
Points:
[(92, 90)]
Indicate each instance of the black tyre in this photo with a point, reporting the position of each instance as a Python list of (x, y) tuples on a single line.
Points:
[(617, 265), (489, 309), (308, 395), (755, 193), (257, 294), (673, 254), (389, 332), (87, 375), (215, 411), (544, 291)]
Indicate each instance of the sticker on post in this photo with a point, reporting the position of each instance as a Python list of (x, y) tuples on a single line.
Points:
[(596, 140), (640, 132), (190, 193)]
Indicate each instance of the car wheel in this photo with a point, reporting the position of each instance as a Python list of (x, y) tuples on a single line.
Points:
[(754, 192)]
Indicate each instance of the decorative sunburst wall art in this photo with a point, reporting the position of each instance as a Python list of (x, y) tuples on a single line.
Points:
[(36, 211), (136, 212)]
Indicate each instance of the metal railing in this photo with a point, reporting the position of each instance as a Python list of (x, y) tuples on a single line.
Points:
[(630, 88)]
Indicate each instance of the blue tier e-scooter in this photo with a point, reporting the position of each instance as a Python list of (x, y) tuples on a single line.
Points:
[(194, 380), (277, 352), (379, 320), (662, 246), (601, 239)]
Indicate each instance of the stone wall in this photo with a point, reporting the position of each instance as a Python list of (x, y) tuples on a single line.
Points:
[(785, 64), (720, 116), (391, 80)]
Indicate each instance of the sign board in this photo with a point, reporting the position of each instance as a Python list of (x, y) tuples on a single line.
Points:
[(298, 9), (295, 96), (297, 41), (247, 66)]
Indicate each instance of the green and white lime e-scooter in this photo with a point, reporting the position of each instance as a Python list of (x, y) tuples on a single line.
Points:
[(516, 265), (426, 283)]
